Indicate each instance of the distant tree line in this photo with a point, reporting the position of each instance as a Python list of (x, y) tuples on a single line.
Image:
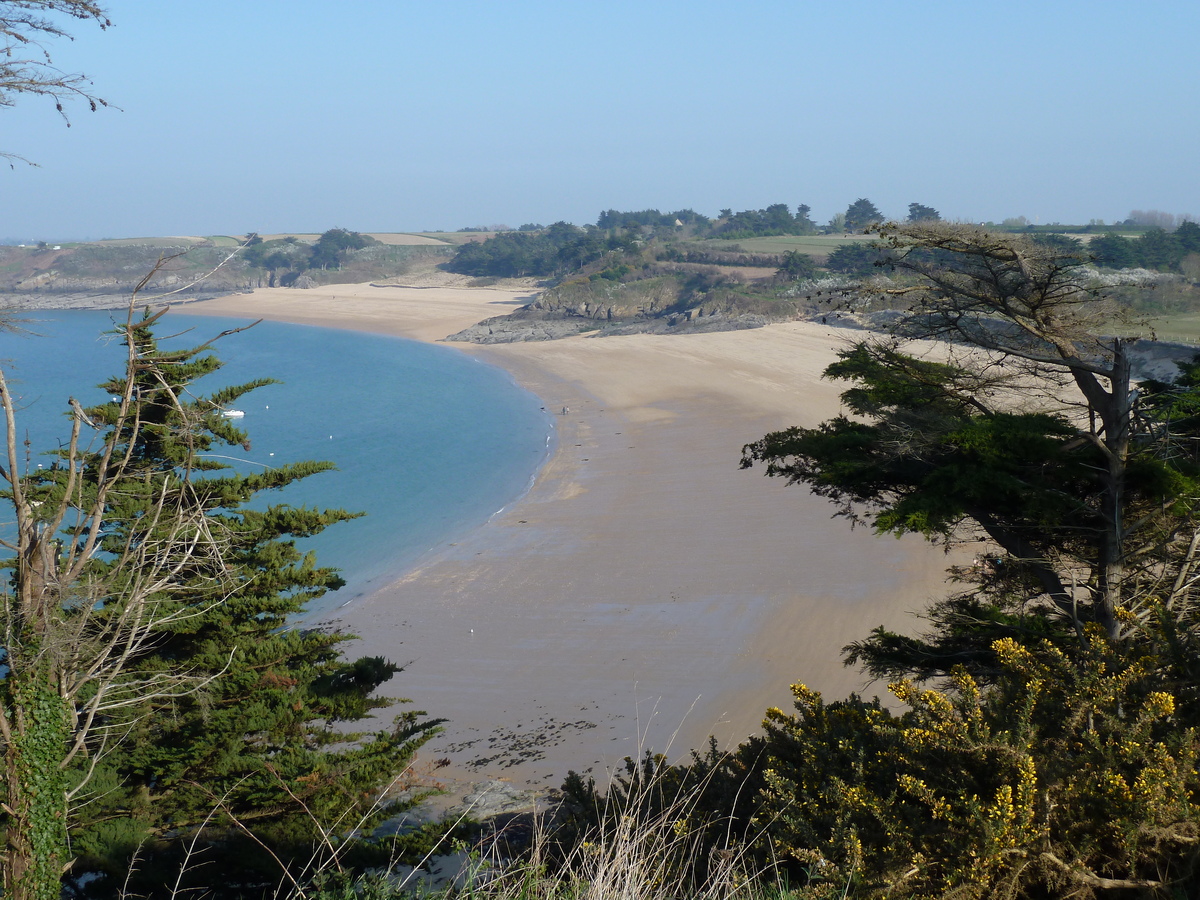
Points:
[(1156, 249), (1155, 218), (542, 252), (561, 248), (855, 259), (289, 256), (775, 219), (650, 218), (558, 249)]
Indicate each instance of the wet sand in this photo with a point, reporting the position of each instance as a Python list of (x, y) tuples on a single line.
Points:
[(646, 592)]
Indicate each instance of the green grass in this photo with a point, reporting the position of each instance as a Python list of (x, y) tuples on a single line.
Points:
[(162, 241), (651, 846), (1179, 327), (813, 244), (453, 237)]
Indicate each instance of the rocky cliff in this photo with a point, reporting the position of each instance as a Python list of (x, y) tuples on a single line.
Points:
[(660, 305)]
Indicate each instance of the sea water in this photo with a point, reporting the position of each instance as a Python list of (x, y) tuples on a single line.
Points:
[(428, 442)]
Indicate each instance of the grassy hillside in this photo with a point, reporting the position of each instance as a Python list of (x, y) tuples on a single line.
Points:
[(1183, 327), (818, 246), (115, 266)]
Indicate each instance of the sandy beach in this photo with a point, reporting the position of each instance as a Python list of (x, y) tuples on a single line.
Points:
[(646, 592)]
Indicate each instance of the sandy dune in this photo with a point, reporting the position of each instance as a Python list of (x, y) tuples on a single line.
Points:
[(646, 590)]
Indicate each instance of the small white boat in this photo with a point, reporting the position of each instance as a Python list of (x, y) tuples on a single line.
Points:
[(232, 413)]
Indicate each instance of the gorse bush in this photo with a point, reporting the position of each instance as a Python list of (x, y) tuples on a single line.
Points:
[(1056, 754), (1070, 775)]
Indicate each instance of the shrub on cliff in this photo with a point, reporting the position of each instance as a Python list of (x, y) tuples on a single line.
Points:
[(1072, 775)]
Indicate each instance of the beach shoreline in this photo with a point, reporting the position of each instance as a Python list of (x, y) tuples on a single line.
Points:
[(644, 592)]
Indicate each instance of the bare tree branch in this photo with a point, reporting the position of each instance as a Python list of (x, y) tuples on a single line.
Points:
[(26, 66)]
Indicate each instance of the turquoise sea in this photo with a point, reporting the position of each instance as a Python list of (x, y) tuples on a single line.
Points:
[(427, 441)]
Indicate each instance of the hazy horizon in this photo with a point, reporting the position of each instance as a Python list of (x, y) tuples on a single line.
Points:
[(394, 117)]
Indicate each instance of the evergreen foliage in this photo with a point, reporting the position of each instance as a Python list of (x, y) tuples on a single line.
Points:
[(773, 220), (612, 219), (796, 266), (918, 212), (559, 249), (1073, 775), (274, 256), (861, 214), (1156, 249), (332, 246), (215, 724), (859, 258), (1078, 508)]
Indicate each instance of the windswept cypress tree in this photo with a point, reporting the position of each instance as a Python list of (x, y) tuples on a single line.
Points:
[(1031, 435)]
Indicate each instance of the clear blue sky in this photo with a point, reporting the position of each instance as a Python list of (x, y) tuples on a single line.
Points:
[(388, 115)]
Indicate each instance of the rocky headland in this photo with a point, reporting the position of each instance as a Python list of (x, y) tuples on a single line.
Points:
[(661, 305)]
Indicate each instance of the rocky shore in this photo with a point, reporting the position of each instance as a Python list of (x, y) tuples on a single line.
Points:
[(533, 324), (28, 301)]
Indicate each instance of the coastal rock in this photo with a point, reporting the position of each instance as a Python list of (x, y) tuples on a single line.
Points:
[(31, 301), (493, 798), (524, 325), (655, 305), (1157, 359), (529, 324)]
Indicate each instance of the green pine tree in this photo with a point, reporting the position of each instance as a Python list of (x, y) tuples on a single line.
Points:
[(191, 716)]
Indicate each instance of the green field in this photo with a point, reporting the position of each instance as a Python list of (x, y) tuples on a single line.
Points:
[(224, 240), (455, 237), (816, 245), (219, 240), (1183, 327)]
